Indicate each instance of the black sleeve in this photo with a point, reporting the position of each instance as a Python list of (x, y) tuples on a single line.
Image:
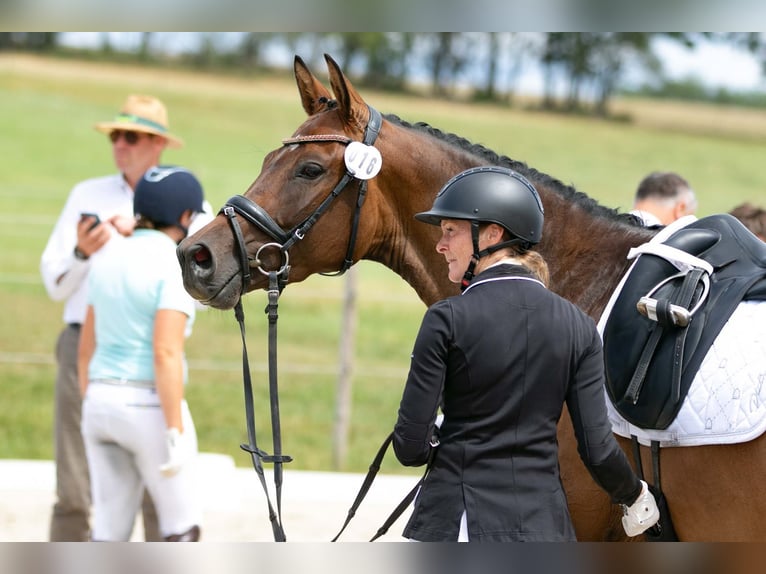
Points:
[(596, 444), (423, 390)]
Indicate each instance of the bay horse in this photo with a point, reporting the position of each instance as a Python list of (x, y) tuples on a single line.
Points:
[(712, 491)]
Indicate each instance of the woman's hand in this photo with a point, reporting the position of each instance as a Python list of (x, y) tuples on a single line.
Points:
[(178, 452), (642, 514)]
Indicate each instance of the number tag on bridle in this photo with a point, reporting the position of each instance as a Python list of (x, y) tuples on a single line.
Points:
[(362, 161)]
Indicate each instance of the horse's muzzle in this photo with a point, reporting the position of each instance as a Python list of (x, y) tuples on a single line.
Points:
[(203, 278)]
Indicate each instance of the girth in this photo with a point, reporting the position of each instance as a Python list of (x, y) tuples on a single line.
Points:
[(664, 321)]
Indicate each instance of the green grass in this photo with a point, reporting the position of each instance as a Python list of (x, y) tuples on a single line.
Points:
[(47, 108)]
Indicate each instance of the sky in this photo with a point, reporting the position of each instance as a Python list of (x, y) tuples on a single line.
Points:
[(714, 65)]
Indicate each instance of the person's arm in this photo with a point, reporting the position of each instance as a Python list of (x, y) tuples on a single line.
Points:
[(169, 326), (598, 448), (596, 444), (62, 271), (423, 392), (86, 348)]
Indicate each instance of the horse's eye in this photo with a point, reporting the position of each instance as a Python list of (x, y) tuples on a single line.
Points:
[(310, 170)]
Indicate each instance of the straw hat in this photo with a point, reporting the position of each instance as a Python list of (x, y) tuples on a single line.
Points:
[(142, 114)]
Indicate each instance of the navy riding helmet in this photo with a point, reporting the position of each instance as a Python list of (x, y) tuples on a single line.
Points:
[(164, 193)]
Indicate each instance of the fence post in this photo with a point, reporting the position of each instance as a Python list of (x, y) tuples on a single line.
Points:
[(346, 364)]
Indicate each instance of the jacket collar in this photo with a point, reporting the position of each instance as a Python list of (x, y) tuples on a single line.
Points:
[(502, 272)]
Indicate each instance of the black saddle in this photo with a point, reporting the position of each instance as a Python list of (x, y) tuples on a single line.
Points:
[(651, 362)]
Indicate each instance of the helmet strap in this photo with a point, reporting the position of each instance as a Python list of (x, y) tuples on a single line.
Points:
[(498, 246), (469, 273)]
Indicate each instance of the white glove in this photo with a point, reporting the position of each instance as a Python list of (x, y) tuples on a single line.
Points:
[(642, 514), (177, 452)]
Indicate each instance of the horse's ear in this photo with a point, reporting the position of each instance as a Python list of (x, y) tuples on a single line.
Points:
[(350, 103), (309, 87)]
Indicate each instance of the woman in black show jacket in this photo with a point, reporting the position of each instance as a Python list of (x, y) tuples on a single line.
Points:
[(501, 359)]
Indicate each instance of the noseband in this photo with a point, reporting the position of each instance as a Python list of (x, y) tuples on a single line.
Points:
[(283, 240)]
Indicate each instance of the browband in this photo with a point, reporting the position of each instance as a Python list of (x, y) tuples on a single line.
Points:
[(318, 138)]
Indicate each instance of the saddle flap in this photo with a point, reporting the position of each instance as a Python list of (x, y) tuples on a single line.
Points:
[(637, 348), (738, 260)]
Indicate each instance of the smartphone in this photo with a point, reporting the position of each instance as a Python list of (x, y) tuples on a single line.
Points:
[(94, 216)]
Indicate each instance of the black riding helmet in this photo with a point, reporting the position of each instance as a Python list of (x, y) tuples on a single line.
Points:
[(490, 194), (164, 193)]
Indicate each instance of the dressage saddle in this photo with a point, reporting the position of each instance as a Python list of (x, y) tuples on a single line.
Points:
[(665, 320)]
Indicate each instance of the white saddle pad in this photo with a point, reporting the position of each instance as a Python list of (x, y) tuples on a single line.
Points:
[(726, 402)]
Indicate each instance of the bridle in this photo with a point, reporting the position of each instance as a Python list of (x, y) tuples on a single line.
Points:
[(283, 241)]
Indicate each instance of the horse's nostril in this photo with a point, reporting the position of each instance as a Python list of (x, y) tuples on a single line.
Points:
[(201, 256)]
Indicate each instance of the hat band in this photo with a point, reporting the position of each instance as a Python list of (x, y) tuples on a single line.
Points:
[(129, 118)]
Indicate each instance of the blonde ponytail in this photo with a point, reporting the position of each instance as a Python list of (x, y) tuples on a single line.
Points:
[(533, 261)]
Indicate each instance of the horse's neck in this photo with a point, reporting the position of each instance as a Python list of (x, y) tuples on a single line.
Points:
[(400, 242), (587, 254), (409, 249)]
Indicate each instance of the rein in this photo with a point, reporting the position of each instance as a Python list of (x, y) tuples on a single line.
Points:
[(283, 241)]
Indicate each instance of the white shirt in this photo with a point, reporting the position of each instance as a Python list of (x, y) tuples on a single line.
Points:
[(649, 219), (106, 196)]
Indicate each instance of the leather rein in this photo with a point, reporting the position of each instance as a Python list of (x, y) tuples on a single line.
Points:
[(283, 241)]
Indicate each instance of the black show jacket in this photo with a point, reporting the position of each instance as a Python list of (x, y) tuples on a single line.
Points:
[(502, 359)]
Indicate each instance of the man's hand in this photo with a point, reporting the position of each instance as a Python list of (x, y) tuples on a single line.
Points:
[(90, 239)]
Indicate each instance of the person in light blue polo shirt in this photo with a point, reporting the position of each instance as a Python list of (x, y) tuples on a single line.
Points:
[(136, 424)]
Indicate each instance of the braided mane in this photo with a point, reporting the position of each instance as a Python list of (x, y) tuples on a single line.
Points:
[(489, 156)]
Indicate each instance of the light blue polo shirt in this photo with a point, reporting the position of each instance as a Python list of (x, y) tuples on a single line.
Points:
[(126, 287)]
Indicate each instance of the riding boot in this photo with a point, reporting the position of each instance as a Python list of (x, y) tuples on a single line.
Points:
[(191, 535)]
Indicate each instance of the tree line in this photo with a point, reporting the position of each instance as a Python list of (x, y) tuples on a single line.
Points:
[(582, 71)]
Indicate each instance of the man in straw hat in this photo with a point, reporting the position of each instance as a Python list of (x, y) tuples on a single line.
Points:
[(97, 212)]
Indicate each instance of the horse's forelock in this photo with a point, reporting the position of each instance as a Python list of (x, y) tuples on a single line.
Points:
[(356, 117), (329, 104)]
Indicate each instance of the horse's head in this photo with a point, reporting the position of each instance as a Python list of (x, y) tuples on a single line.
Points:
[(282, 223)]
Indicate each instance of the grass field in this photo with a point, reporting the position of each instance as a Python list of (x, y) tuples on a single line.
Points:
[(47, 109)]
